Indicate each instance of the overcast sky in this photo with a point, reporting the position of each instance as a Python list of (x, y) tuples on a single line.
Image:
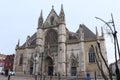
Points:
[(19, 18)]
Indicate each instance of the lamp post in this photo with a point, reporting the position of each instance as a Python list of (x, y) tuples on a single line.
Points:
[(41, 55), (35, 59), (95, 75), (58, 75), (111, 26)]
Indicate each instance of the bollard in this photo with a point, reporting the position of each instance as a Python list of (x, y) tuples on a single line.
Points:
[(35, 77), (9, 77), (58, 76), (50, 77), (43, 77)]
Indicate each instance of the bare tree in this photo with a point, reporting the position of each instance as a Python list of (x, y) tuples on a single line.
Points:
[(111, 26), (99, 63)]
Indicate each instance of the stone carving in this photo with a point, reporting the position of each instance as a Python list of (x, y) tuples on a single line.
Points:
[(74, 60)]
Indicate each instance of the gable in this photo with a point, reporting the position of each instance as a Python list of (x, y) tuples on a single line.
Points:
[(52, 19)]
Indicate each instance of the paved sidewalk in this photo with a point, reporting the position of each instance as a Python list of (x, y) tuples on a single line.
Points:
[(17, 77)]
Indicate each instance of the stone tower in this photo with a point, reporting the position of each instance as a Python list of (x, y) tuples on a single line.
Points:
[(39, 44), (62, 42)]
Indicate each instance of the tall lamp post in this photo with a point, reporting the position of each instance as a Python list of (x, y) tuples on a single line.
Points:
[(35, 59), (111, 26), (41, 55)]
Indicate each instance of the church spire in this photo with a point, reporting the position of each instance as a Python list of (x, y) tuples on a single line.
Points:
[(97, 33), (18, 44), (40, 21), (27, 41), (62, 15), (52, 7), (102, 33)]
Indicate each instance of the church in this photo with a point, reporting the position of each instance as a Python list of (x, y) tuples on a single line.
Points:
[(53, 49)]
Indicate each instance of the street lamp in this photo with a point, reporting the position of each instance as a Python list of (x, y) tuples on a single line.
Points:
[(111, 26), (95, 75), (35, 59), (41, 55)]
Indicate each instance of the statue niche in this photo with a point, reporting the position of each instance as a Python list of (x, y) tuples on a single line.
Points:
[(51, 41)]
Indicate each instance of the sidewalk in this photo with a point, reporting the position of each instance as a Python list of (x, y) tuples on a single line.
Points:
[(17, 77)]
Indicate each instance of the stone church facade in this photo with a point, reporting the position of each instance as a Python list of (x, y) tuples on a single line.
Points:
[(54, 49)]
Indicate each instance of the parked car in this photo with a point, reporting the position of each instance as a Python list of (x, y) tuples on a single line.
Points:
[(2, 72), (11, 73)]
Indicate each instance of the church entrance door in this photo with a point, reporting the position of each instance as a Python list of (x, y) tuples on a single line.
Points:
[(50, 70), (73, 71), (31, 70), (49, 66)]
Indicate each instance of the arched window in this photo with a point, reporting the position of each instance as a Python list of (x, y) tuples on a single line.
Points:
[(91, 55), (21, 60), (51, 41), (52, 20)]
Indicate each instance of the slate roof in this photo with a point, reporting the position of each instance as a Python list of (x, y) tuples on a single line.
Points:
[(88, 35), (32, 41)]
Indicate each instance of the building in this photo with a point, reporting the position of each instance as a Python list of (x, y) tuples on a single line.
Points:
[(1, 65), (113, 67), (2, 57), (9, 61), (2, 61), (54, 50)]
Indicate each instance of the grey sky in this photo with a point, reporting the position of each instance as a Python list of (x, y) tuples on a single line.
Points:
[(19, 18)]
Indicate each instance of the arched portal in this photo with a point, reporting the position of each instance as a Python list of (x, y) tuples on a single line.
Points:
[(74, 63), (49, 66), (73, 68), (31, 67)]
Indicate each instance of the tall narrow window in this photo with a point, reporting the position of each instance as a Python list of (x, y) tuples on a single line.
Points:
[(21, 60), (52, 20), (91, 55)]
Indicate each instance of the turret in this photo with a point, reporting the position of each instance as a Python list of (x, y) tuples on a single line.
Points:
[(39, 42), (62, 41), (40, 21), (62, 15), (102, 33), (18, 44), (81, 32), (40, 30), (62, 26), (97, 35), (27, 41)]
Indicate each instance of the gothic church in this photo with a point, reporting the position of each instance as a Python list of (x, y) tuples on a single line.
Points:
[(54, 49)]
